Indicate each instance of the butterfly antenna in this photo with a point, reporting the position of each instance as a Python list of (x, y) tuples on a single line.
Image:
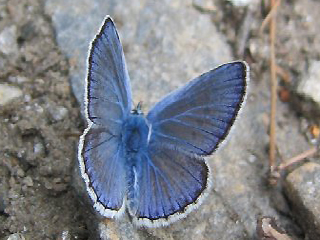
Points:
[(138, 110), (139, 107)]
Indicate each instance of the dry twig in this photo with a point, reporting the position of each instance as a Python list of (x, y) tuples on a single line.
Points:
[(297, 158), (273, 69), (270, 15)]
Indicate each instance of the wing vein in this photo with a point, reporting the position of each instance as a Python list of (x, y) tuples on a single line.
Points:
[(195, 127), (164, 177), (112, 170), (105, 100), (180, 140), (179, 165), (99, 144), (195, 108)]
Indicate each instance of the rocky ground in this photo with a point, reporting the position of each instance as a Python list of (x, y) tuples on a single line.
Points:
[(43, 49)]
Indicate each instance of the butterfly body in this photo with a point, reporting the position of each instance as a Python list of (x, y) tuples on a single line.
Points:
[(135, 133), (152, 165)]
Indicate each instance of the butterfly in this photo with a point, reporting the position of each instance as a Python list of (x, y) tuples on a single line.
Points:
[(152, 165)]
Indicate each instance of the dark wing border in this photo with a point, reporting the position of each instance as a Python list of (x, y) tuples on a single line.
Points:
[(166, 221)]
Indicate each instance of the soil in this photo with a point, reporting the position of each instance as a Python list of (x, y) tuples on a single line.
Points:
[(39, 132)]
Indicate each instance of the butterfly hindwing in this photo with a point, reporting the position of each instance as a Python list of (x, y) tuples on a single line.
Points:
[(197, 117), (108, 103), (104, 162), (168, 184)]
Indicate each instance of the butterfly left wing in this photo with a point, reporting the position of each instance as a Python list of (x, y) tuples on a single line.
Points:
[(108, 93), (108, 104), (102, 166)]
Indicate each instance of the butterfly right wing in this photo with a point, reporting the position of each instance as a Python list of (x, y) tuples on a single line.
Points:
[(108, 103), (171, 177)]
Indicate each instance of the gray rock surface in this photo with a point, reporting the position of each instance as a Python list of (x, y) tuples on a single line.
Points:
[(303, 190), (309, 85), (155, 35), (166, 44)]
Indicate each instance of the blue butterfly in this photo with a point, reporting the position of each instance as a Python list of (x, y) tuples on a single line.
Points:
[(152, 165)]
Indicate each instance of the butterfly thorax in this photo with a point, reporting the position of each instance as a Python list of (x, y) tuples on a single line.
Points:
[(135, 133)]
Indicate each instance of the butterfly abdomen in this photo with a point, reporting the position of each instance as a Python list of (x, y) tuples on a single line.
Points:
[(135, 134), (134, 138)]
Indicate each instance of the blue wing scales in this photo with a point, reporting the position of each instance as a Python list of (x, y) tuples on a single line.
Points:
[(104, 165), (108, 103), (108, 85), (171, 177), (168, 182), (197, 117)]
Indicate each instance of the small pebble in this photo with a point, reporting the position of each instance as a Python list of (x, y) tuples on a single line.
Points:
[(28, 181), (48, 185), (38, 148), (55, 218), (252, 158), (8, 40), (45, 170), (8, 93), (205, 5), (27, 98), (58, 113), (16, 236), (243, 3), (20, 172), (18, 79), (65, 235), (13, 194), (309, 85)]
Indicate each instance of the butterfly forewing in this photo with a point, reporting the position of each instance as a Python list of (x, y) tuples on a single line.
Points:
[(197, 117), (108, 90)]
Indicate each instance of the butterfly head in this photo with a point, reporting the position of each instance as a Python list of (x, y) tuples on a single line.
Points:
[(137, 110)]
